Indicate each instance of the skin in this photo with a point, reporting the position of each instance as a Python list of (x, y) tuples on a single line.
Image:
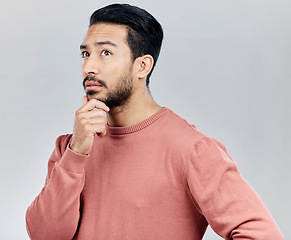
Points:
[(107, 57)]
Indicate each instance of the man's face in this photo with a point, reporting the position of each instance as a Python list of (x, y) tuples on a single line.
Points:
[(107, 65)]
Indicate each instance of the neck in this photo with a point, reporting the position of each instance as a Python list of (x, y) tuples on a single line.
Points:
[(139, 107)]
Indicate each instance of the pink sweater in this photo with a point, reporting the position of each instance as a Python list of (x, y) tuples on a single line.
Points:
[(159, 179)]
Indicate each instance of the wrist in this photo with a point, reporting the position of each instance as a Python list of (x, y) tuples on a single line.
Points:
[(76, 150)]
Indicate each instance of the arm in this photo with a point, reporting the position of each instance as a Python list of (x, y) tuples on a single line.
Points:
[(230, 205), (54, 214)]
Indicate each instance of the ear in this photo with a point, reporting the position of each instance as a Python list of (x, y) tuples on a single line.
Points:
[(144, 65)]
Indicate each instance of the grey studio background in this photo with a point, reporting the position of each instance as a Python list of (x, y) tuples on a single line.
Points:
[(224, 66)]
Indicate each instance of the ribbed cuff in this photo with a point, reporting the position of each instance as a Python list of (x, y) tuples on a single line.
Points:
[(73, 162)]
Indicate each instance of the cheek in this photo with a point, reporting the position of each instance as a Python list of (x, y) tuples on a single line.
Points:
[(111, 73)]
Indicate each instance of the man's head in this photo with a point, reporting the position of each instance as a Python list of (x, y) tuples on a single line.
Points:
[(144, 33), (119, 51)]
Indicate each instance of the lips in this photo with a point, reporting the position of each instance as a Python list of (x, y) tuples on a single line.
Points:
[(92, 85)]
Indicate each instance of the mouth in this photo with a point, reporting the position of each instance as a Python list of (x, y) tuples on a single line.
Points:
[(92, 86)]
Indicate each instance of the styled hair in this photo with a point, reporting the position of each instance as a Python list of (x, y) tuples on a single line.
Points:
[(145, 34)]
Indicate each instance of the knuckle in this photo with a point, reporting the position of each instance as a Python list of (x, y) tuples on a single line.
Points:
[(78, 111), (78, 115), (82, 121), (81, 116), (86, 127)]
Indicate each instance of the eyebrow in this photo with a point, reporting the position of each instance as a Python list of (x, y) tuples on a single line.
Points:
[(99, 44)]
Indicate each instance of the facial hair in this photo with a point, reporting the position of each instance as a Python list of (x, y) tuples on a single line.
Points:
[(118, 96)]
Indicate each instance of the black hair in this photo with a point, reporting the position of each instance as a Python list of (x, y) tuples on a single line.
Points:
[(145, 34)]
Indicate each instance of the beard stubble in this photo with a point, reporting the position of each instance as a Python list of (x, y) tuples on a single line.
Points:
[(116, 97)]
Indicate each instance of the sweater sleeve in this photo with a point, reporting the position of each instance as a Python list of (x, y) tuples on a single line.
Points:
[(232, 208), (54, 213)]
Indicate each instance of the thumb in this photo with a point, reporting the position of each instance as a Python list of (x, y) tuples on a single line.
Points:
[(85, 100)]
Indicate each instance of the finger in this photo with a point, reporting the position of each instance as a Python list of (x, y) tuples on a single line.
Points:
[(102, 132), (92, 114), (95, 121), (85, 100), (92, 104), (101, 135), (98, 128)]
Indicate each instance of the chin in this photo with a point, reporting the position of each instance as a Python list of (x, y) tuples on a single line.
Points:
[(96, 97), (93, 95)]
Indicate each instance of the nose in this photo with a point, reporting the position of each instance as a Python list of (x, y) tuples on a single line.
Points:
[(90, 66)]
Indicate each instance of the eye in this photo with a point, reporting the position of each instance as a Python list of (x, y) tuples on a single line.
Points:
[(85, 54), (105, 53)]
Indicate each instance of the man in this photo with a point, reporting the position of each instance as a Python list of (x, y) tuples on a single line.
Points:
[(132, 169)]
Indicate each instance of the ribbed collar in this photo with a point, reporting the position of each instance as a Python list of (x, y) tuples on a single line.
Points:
[(139, 126)]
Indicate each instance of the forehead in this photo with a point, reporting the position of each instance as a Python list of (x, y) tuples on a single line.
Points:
[(102, 32)]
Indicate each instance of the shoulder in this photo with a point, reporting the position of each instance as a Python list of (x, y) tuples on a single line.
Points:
[(180, 129), (181, 132)]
